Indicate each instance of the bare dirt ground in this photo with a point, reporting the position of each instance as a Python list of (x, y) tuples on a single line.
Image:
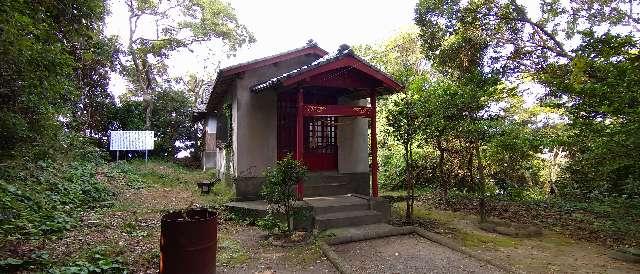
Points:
[(551, 253), (261, 257), (408, 254)]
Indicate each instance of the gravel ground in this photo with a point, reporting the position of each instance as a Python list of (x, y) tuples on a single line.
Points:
[(268, 259), (407, 254)]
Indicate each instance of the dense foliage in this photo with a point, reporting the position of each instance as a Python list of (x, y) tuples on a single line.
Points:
[(496, 90), (468, 127), (172, 124), (54, 55), (591, 109), (56, 109), (45, 197), (598, 93)]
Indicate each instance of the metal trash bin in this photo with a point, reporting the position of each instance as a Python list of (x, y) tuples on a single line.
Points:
[(188, 241)]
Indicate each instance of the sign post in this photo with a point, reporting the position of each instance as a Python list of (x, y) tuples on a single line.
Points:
[(131, 140)]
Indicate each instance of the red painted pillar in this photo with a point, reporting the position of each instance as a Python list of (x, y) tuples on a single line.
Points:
[(374, 148), (299, 139)]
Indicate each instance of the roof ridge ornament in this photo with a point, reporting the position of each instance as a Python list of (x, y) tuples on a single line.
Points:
[(344, 48)]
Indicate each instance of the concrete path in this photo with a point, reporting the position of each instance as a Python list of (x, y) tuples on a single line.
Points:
[(365, 232), (407, 254)]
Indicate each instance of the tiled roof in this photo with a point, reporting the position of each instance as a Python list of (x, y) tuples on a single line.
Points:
[(310, 44), (342, 52), (225, 76)]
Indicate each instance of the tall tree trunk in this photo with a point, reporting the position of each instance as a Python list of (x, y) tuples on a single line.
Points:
[(412, 188), (444, 187), (407, 163), (287, 215), (472, 179), (148, 92), (142, 67), (481, 186)]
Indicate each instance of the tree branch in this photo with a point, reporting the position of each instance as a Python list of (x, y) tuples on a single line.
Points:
[(522, 17)]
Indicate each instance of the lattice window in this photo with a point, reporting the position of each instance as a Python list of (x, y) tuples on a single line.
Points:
[(320, 134)]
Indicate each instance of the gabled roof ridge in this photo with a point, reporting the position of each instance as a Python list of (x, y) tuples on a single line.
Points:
[(309, 45), (229, 73), (343, 51)]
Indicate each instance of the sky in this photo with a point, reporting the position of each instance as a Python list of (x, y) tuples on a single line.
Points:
[(281, 25)]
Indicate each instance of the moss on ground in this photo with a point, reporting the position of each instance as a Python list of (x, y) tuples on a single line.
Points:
[(472, 239), (419, 212), (304, 255), (556, 240)]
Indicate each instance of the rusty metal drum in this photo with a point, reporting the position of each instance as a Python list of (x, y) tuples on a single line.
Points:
[(188, 241)]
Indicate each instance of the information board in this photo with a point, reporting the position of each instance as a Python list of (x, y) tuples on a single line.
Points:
[(131, 140)]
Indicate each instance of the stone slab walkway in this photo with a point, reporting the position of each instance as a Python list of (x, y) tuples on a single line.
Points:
[(407, 254), (365, 232)]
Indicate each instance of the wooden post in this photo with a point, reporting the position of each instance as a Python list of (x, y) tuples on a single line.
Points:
[(299, 139), (374, 148)]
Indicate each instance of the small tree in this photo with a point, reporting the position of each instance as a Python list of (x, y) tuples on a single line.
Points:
[(278, 189), (402, 118)]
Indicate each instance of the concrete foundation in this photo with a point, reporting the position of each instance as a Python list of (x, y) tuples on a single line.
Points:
[(248, 188), (315, 185), (325, 212)]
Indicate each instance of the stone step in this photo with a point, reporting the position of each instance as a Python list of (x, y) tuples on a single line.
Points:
[(327, 189), (334, 204), (340, 208), (347, 218)]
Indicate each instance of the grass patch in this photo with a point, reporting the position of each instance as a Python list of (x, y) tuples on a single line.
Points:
[(230, 252), (45, 198), (557, 241), (221, 193), (304, 255), (421, 213), (133, 229), (470, 239), (167, 174), (152, 257), (122, 206)]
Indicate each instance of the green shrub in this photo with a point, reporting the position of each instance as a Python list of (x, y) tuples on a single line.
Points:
[(393, 172), (278, 189), (271, 224)]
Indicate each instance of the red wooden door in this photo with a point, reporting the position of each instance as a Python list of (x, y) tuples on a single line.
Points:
[(320, 146), (320, 149)]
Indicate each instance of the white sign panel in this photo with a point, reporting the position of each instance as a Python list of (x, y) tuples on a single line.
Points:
[(131, 140)]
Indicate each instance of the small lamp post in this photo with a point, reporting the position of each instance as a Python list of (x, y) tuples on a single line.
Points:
[(205, 187)]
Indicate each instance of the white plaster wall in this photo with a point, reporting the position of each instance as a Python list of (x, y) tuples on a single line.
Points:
[(221, 163), (234, 124), (353, 142), (255, 133), (212, 124)]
